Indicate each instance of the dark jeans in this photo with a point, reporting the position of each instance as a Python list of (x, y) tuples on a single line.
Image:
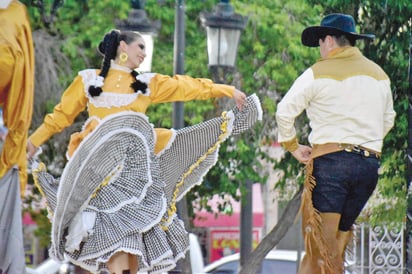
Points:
[(344, 183)]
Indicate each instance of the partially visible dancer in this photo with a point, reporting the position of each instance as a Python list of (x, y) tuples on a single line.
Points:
[(16, 85), (348, 101), (114, 207), (16, 102)]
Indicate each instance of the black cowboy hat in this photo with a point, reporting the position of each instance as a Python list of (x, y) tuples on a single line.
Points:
[(332, 24)]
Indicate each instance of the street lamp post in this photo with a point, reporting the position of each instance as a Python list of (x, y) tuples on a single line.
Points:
[(179, 57), (138, 21), (223, 29), (184, 265)]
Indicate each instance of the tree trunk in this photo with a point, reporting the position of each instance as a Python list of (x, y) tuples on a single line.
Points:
[(274, 236), (184, 265)]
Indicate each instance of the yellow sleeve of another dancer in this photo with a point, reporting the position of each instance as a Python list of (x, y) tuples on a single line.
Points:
[(16, 86)]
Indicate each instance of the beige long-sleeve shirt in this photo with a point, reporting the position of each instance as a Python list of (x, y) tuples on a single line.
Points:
[(347, 99)]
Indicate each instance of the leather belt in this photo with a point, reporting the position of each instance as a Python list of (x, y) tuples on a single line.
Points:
[(319, 150)]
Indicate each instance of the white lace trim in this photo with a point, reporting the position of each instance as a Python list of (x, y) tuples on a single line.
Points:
[(146, 78), (105, 99), (111, 99), (113, 65), (79, 229), (88, 77)]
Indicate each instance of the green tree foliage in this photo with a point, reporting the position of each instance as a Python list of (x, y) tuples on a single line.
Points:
[(81, 24)]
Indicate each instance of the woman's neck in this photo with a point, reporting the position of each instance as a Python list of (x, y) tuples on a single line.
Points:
[(114, 65)]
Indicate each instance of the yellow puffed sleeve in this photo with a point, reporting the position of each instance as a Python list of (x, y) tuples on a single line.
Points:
[(16, 86), (164, 88), (73, 102)]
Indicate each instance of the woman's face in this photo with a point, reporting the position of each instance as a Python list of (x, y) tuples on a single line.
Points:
[(136, 52)]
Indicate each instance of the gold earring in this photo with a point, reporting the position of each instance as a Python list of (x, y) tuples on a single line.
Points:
[(123, 58)]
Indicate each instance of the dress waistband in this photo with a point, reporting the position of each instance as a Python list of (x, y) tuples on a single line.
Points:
[(319, 150)]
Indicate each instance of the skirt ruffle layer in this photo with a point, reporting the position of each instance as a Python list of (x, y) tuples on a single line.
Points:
[(157, 249)]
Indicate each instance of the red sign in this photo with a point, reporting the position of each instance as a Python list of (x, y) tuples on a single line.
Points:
[(224, 242)]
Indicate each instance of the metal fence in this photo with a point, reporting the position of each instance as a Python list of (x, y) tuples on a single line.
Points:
[(377, 250)]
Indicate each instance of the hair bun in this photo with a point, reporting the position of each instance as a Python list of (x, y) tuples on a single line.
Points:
[(109, 39)]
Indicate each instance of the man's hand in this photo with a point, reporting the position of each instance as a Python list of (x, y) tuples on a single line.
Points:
[(302, 154)]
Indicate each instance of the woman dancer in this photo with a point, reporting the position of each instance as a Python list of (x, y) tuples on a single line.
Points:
[(113, 208)]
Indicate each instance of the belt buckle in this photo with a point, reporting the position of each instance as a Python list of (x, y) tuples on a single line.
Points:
[(348, 148), (362, 151), (357, 149)]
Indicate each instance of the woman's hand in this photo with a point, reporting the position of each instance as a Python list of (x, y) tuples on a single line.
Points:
[(240, 98), (31, 150)]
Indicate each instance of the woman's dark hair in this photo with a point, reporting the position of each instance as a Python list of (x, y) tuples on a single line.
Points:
[(108, 48)]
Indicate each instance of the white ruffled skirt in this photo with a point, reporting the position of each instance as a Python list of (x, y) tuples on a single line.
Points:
[(116, 195)]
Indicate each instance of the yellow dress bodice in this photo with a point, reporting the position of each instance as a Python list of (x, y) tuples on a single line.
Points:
[(118, 96)]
